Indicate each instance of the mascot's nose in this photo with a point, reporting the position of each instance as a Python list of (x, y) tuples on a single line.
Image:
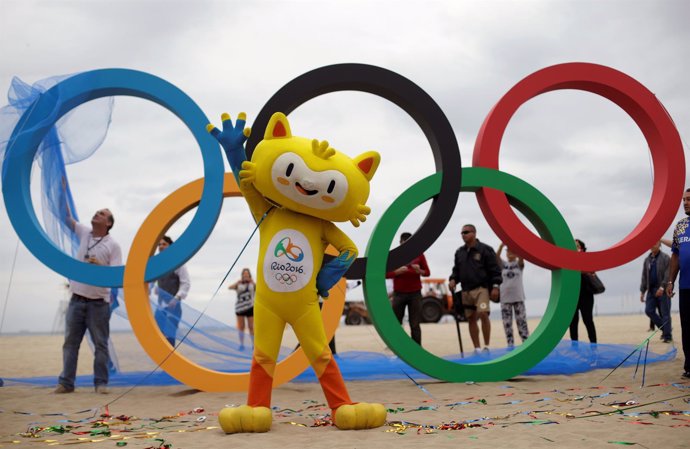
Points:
[(308, 184)]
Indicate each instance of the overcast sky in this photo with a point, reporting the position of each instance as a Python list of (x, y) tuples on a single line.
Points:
[(585, 154)]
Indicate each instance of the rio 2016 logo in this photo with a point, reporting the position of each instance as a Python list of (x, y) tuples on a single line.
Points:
[(497, 192), (282, 269), (286, 248)]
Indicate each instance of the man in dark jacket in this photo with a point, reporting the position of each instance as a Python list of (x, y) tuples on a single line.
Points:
[(655, 276), (479, 276)]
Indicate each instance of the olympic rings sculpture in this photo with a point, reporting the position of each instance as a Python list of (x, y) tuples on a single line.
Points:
[(496, 192)]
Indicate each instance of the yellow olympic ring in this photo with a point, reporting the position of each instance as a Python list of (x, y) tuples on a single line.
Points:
[(144, 325)]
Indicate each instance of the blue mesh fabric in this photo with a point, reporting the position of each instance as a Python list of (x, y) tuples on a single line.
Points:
[(567, 358), (74, 137)]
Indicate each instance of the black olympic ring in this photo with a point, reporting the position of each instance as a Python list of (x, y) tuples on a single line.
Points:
[(410, 98)]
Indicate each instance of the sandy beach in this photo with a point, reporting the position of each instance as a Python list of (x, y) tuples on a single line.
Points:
[(580, 410)]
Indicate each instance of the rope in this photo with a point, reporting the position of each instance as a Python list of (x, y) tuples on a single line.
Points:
[(203, 312), (9, 287)]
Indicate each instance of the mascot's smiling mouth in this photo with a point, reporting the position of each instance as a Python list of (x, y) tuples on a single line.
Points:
[(304, 191)]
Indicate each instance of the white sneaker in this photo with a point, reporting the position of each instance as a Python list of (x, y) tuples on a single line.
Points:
[(485, 350), (477, 351)]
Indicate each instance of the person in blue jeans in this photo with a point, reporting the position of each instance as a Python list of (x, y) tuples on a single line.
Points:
[(89, 307), (655, 276), (172, 288), (680, 263)]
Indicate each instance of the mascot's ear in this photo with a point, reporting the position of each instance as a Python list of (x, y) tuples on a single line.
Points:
[(367, 163), (278, 127)]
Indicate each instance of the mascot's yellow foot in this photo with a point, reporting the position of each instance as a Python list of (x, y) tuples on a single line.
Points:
[(245, 419), (359, 416)]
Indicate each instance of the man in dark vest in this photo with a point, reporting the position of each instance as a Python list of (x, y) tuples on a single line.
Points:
[(171, 288)]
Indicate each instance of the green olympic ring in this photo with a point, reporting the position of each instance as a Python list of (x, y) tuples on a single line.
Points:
[(565, 284)]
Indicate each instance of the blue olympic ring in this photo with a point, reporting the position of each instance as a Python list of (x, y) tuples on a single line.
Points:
[(55, 103)]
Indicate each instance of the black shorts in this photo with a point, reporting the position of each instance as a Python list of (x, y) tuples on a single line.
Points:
[(247, 313)]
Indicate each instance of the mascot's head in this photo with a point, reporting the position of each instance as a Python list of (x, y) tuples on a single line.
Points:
[(310, 177)]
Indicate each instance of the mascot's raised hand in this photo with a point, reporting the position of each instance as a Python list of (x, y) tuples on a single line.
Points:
[(232, 139), (299, 187)]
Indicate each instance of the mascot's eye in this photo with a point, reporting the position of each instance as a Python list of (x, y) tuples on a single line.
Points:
[(289, 169), (331, 186)]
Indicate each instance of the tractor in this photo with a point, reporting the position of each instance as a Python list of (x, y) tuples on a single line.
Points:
[(436, 302)]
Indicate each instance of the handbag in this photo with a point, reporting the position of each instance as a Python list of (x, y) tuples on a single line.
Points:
[(596, 284)]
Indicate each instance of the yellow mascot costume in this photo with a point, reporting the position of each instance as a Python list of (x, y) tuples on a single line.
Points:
[(296, 187)]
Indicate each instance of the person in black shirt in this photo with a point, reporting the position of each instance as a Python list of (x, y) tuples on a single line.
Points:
[(585, 303), (479, 276)]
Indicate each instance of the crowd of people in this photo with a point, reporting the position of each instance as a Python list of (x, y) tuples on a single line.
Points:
[(480, 274), (483, 276)]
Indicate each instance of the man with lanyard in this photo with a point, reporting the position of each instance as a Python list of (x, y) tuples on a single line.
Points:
[(680, 262), (89, 307), (655, 270)]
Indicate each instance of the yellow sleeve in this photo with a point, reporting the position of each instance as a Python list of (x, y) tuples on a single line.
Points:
[(256, 201), (339, 240)]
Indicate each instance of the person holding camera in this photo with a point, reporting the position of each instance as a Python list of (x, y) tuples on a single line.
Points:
[(512, 295)]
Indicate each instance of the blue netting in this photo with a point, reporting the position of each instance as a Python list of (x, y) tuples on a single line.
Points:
[(567, 358), (73, 138), (209, 342)]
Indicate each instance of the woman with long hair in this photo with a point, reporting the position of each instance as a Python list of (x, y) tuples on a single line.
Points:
[(585, 303), (244, 307)]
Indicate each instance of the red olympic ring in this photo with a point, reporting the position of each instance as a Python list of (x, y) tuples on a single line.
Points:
[(658, 129)]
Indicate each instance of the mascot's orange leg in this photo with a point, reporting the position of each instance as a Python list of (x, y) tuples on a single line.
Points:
[(256, 415), (268, 333), (346, 415), (312, 337)]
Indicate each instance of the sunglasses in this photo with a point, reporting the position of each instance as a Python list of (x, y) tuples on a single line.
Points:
[(466, 232)]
